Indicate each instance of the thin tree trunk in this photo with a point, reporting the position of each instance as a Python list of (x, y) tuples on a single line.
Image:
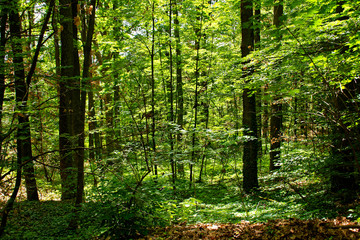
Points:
[(276, 106), (265, 120), (92, 126), (153, 119), (109, 133), (3, 15), (198, 34), (179, 85), (171, 100), (22, 90), (9, 205)]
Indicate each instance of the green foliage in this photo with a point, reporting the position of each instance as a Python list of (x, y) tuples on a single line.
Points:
[(312, 63)]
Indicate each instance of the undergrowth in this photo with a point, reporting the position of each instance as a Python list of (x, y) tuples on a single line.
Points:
[(114, 210)]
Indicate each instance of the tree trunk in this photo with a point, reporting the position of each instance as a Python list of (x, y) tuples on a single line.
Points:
[(68, 85), (250, 152), (345, 148), (198, 35), (179, 85), (81, 120), (171, 99), (153, 116), (345, 144), (3, 15), (24, 150), (275, 133), (257, 39), (276, 105)]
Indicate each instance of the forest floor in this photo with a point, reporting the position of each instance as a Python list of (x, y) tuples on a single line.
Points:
[(49, 220), (285, 208), (339, 228)]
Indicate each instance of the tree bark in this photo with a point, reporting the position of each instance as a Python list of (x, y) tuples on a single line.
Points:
[(171, 99), (67, 86), (24, 150), (249, 121), (344, 165), (198, 35), (153, 116), (81, 120), (3, 15), (179, 84), (257, 38), (276, 105)]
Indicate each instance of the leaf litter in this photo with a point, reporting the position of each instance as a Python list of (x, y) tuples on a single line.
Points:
[(292, 229)]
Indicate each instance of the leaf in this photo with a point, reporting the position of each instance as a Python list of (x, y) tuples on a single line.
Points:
[(77, 21)]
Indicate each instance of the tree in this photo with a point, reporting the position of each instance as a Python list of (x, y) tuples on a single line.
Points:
[(198, 41), (89, 32), (22, 85), (22, 88), (3, 22), (276, 105), (249, 120), (69, 99), (171, 97), (345, 147), (179, 81)]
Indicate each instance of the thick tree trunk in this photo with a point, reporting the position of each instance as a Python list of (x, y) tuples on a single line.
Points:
[(67, 86), (250, 152), (257, 38), (346, 143), (344, 165), (81, 118)]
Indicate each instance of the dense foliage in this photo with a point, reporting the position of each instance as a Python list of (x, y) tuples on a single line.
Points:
[(137, 114)]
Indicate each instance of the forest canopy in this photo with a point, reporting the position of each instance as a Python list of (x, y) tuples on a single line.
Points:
[(121, 116)]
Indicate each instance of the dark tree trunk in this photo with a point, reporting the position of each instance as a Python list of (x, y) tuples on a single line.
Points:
[(3, 16), (179, 84), (67, 87), (78, 104), (153, 116), (346, 143), (250, 153), (275, 133), (346, 147), (257, 38), (24, 151), (276, 105), (171, 99), (344, 165), (109, 119), (81, 119), (198, 35)]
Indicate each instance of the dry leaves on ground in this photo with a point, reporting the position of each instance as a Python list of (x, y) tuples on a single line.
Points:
[(339, 228)]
